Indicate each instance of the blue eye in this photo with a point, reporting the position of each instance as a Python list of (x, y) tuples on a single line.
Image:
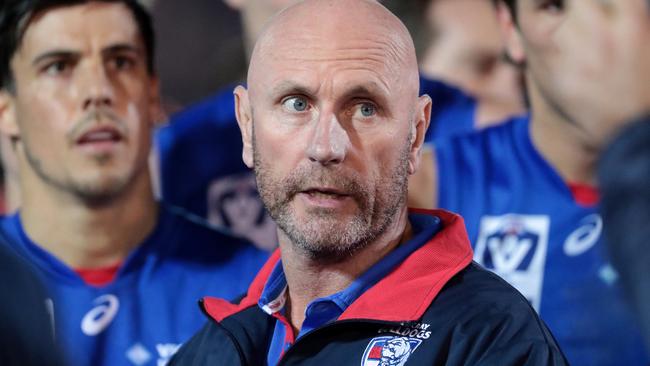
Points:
[(296, 104), (367, 109)]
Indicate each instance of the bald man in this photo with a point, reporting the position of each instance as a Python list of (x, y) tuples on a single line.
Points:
[(333, 126)]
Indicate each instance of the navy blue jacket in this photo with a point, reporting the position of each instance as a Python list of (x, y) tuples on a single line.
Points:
[(436, 308)]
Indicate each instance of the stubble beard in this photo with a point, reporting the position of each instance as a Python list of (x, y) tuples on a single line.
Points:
[(322, 235), (91, 192)]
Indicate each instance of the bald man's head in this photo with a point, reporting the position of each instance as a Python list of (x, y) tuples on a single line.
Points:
[(332, 124), (344, 29)]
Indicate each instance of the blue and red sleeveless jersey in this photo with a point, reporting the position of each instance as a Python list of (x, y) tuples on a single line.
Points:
[(150, 308), (526, 225)]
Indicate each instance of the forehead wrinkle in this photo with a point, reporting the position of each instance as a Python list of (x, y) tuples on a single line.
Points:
[(374, 58)]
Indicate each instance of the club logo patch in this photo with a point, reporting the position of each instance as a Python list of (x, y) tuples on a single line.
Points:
[(389, 351), (515, 246)]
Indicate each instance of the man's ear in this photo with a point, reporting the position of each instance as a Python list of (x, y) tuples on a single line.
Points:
[(8, 123), (419, 128), (511, 35), (244, 116)]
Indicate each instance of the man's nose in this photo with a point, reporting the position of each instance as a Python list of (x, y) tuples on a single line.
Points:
[(330, 141), (96, 86)]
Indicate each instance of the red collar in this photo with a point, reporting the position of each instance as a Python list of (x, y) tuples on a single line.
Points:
[(411, 287), (584, 194)]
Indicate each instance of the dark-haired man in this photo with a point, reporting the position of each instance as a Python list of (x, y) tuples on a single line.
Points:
[(527, 188), (79, 94)]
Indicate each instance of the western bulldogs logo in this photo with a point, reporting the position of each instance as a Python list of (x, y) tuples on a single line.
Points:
[(389, 351), (514, 247)]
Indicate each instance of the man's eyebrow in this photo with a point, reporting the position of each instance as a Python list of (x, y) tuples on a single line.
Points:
[(55, 54), (69, 54), (121, 47), (291, 87), (371, 90)]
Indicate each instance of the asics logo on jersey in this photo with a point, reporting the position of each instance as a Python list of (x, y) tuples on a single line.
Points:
[(99, 317), (584, 237)]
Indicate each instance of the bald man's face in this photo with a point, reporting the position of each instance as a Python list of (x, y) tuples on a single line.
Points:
[(332, 126)]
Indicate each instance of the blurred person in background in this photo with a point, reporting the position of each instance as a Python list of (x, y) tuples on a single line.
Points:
[(467, 50), (26, 333), (199, 152), (527, 189), (624, 177), (461, 55), (78, 97), (614, 63)]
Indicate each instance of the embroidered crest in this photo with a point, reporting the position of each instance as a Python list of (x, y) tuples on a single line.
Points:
[(389, 351)]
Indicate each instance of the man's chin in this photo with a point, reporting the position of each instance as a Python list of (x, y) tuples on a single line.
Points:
[(326, 238), (100, 191)]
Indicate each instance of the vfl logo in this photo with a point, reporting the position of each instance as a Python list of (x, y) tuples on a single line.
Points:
[(511, 249), (514, 246), (584, 237), (389, 351), (99, 317)]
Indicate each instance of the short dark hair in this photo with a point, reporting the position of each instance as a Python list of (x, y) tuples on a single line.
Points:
[(15, 16)]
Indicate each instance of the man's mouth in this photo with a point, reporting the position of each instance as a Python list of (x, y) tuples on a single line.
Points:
[(325, 193), (97, 135)]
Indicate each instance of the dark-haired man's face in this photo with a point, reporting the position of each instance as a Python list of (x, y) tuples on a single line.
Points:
[(83, 101)]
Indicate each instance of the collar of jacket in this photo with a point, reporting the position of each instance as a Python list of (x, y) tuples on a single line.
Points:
[(403, 295)]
